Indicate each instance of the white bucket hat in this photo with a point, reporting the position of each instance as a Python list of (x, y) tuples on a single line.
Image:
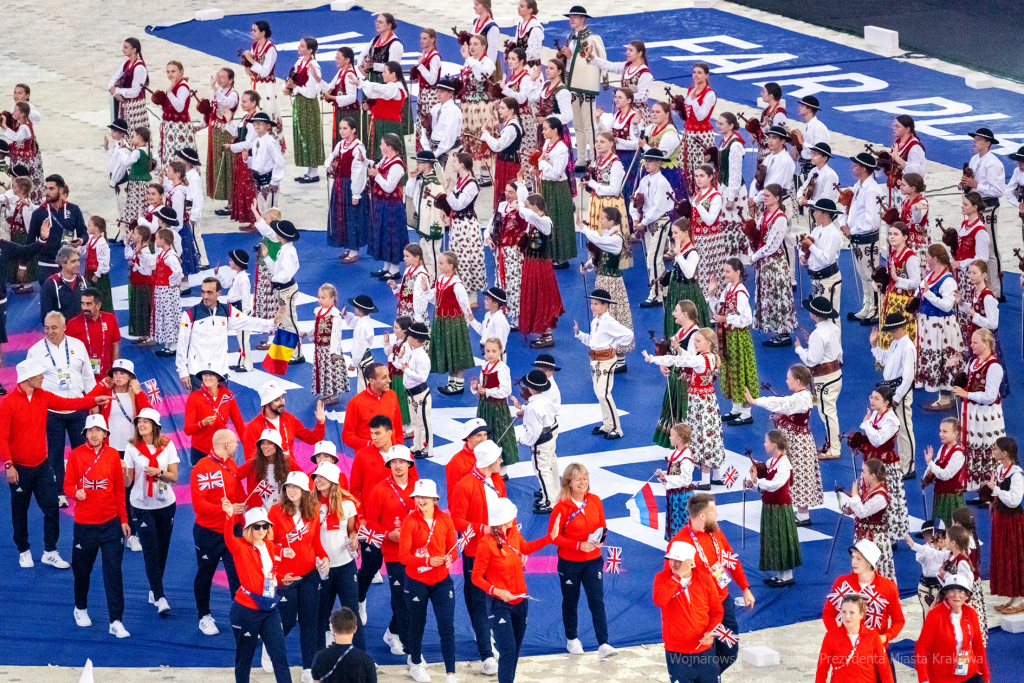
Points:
[(271, 435), (869, 550), (324, 448), (399, 453), (149, 414), (500, 511), (122, 364), (300, 479), (95, 421), (486, 452), (475, 425), (270, 391), (425, 488), (29, 368), (329, 471), (257, 514), (681, 552)]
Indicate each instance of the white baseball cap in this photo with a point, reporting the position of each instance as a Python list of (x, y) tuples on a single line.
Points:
[(324, 448), (257, 514), (297, 478), (500, 511), (95, 421), (329, 471), (270, 391), (681, 552), (271, 435), (869, 550), (425, 488), (149, 414), (486, 452), (122, 364), (29, 368), (477, 424), (399, 453)]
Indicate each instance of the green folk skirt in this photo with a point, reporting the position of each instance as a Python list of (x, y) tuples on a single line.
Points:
[(678, 291), (673, 407), (739, 367), (780, 545), (563, 224), (307, 132), (450, 349), (498, 417)]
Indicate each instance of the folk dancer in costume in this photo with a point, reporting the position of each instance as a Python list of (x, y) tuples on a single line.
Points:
[(662, 134), (176, 121), (265, 161), (605, 337), (581, 44), (464, 238), (907, 153), (899, 364), (702, 412), (1007, 568), (914, 213), (625, 128), (775, 311), (477, 110), (825, 181), (557, 192), (904, 281), (1014, 192), (389, 229), (824, 357), (24, 148), (791, 415), (282, 276), (539, 424), (485, 26), (243, 189), (361, 324), (348, 216), (427, 74), (235, 279), (504, 240), (219, 161), (424, 189), (862, 224), (853, 652), (698, 133), (395, 349), (605, 258), (983, 411), (19, 209), (519, 85), (260, 62), (734, 318), (881, 427), (541, 302), (820, 252), (947, 471), (674, 403), (304, 84), (989, 181), (166, 268), (265, 303), (815, 133), (780, 170), (384, 49), (870, 504), (731, 185), (343, 93), (330, 371), (636, 78), (127, 84), (780, 545), (412, 302), (450, 348), (545, 362), (606, 182), (774, 114), (529, 34), (982, 311), (677, 478), (388, 99), (495, 324), (682, 280), (553, 99), (929, 555), (939, 340), (140, 286), (493, 388), (117, 167), (176, 196), (649, 208), (972, 244), (95, 254), (506, 146), (194, 192), (415, 366), (445, 132)]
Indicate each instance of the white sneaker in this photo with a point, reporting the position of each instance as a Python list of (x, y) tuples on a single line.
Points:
[(307, 676), (362, 612), (574, 646), (82, 618), (118, 629), (419, 673), (54, 559), (490, 666), (265, 662), (152, 600), (377, 578), (62, 501), (396, 645), (133, 544), (606, 651), (25, 559), (451, 679), (208, 626), (162, 607), (388, 636)]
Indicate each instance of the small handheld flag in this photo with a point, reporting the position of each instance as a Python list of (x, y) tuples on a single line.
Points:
[(731, 475), (467, 536), (152, 391), (374, 538), (263, 490), (646, 506), (729, 560), (281, 350), (725, 635), (214, 480), (613, 563)]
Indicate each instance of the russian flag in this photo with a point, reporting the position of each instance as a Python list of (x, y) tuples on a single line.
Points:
[(280, 352), (646, 506)]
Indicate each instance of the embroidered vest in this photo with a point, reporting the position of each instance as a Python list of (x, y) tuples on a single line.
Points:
[(697, 226), (958, 482), (928, 308), (780, 496), (693, 124)]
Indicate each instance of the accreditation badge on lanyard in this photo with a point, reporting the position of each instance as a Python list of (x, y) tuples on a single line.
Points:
[(63, 374), (963, 654), (424, 551), (718, 572)]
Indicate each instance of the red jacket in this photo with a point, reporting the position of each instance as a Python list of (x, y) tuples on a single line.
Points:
[(869, 664), (291, 427), (248, 563), (503, 568), (415, 535), (23, 423), (707, 544), (468, 507), (577, 529), (102, 479), (305, 541), (362, 408), (885, 618), (935, 653), (199, 406), (139, 400), (212, 480), (368, 470), (247, 471), (687, 615), (100, 339), (385, 510), (461, 464)]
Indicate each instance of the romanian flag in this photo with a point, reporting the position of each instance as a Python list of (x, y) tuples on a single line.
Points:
[(280, 352), (646, 506)]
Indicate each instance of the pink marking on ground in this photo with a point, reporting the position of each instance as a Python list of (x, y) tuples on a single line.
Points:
[(183, 494), (22, 341), (173, 404)]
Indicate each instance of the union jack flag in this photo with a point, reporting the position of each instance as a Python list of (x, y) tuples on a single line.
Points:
[(730, 477), (210, 480), (877, 608), (374, 538), (296, 534), (613, 563), (93, 484), (725, 635), (264, 490), (836, 596), (152, 391), (729, 560), (467, 536)]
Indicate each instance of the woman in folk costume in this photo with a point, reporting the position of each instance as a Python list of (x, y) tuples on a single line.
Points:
[(411, 301), (343, 92), (731, 184), (384, 49), (541, 304), (706, 226), (904, 279), (773, 115), (914, 213), (508, 230), (553, 99), (176, 120), (493, 388), (95, 255), (606, 254), (1007, 559), (604, 178), (881, 427), (625, 129), (519, 85), (674, 402), (870, 506), (702, 412), (450, 348), (682, 279), (395, 350), (464, 236), (176, 197), (388, 99), (529, 33), (389, 232), (554, 187), (982, 420), (663, 135), (938, 335), (507, 146), (947, 471), (739, 367), (791, 415), (477, 110), (259, 63), (698, 133), (981, 311), (25, 149), (907, 153), (19, 210), (140, 174), (330, 372), (780, 544), (427, 73), (678, 479), (304, 84), (127, 86), (485, 26), (636, 77), (771, 267), (348, 214), (220, 109), (973, 243), (243, 190)]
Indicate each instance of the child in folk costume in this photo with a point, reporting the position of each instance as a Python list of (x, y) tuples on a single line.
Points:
[(731, 185), (673, 405), (19, 208), (869, 505), (957, 563), (881, 427), (96, 254), (389, 98), (541, 303), (140, 285), (509, 228), (739, 367), (698, 133), (662, 134), (649, 209), (235, 280), (608, 246), (939, 341), (262, 60), (220, 161), (702, 412), (553, 99), (605, 180), (412, 302), (507, 145), (556, 191), (450, 348), (914, 213), (389, 230), (493, 388), (282, 277), (519, 85), (176, 120), (194, 190), (678, 479), (176, 197), (981, 311), (24, 148), (429, 218), (304, 84), (904, 279), (495, 324), (983, 411), (343, 92), (117, 167), (138, 177), (780, 545), (265, 161), (415, 365), (930, 556), (946, 471), (682, 280), (427, 73), (706, 226), (465, 237), (605, 337), (265, 302), (330, 371), (775, 311), (348, 215), (243, 189), (972, 244), (126, 86), (625, 128), (167, 276), (395, 349), (791, 415), (361, 324), (1007, 564)]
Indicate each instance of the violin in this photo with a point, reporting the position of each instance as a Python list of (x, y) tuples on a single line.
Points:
[(749, 227), (760, 174), (855, 440), (1020, 259), (968, 172), (885, 160), (678, 102), (805, 245), (752, 126), (845, 196), (661, 346), (949, 236), (462, 36), (809, 188), (245, 61), (765, 386), (889, 215), (796, 138), (759, 467)]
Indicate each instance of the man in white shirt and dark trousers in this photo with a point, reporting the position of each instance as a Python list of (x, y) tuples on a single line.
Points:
[(445, 128), (821, 255), (824, 177), (416, 370), (236, 280), (649, 207), (362, 335), (282, 276), (781, 170), (824, 357), (495, 324), (815, 133), (538, 426), (606, 335), (899, 364), (862, 225), (265, 161), (990, 182)]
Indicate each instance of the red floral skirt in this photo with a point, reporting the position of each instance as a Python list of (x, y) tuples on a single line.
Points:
[(541, 302)]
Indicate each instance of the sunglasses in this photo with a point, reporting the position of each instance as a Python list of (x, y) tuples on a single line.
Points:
[(261, 526)]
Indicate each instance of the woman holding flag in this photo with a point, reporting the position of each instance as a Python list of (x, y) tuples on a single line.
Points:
[(266, 473), (209, 409)]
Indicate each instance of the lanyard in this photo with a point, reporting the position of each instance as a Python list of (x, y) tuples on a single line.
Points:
[(103, 338), (849, 657), (580, 509), (216, 405), (117, 397), (700, 550), (67, 352), (401, 500), (88, 470), (511, 547), (328, 674), (432, 528), (479, 475)]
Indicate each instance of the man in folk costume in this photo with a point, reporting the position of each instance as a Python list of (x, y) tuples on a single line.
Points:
[(424, 188), (774, 114), (415, 371), (815, 133), (821, 182), (583, 80), (117, 166), (445, 137), (862, 223), (606, 335), (899, 367), (781, 170), (539, 424), (820, 253), (988, 180), (655, 199), (824, 357)]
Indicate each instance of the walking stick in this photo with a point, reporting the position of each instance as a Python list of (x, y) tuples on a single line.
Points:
[(586, 297), (743, 521), (839, 522)]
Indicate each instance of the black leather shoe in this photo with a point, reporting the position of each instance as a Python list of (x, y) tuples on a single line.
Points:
[(597, 431), (776, 582), (226, 211), (728, 417), (561, 266), (237, 368), (911, 475), (542, 509), (420, 455), (703, 487), (378, 273), (803, 522), (448, 391), (740, 422), (869, 322), (620, 369), (537, 495), (297, 360), (778, 341), (717, 482), (852, 317), (391, 276), (612, 436), (166, 353), (650, 303)]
